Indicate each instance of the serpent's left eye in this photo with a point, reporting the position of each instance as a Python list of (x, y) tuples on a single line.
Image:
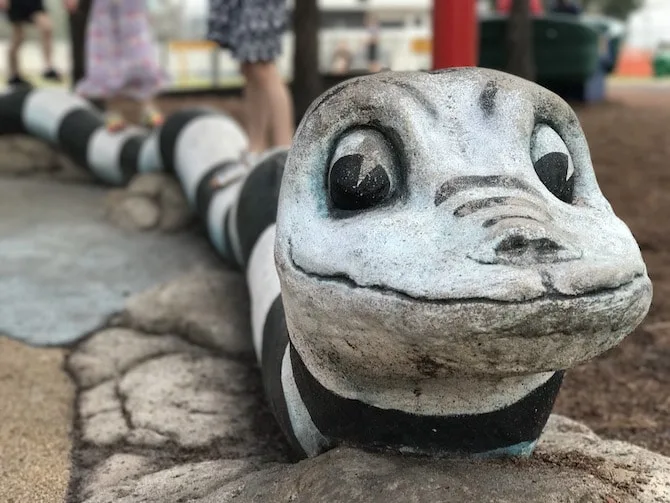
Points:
[(553, 163), (363, 171)]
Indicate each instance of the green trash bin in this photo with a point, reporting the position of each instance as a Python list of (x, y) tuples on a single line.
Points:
[(568, 54), (661, 61), (565, 49)]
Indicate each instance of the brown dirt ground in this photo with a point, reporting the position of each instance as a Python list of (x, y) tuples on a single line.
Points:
[(625, 393), (36, 398)]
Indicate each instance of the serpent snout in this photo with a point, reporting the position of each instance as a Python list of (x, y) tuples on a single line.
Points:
[(517, 231)]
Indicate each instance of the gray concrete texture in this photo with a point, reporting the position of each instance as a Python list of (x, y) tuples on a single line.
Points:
[(65, 270)]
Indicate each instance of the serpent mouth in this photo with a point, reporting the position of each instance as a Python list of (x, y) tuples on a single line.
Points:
[(632, 283), (466, 335)]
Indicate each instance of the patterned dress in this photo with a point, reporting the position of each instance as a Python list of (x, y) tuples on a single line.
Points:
[(250, 29), (121, 57)]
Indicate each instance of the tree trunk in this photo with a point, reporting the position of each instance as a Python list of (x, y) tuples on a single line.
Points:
[(307, 84), (78, 22), (520, 58)]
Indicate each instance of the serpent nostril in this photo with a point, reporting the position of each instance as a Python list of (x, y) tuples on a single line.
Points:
[(517, 245)]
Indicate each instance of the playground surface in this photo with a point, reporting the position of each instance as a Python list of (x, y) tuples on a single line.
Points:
[(621, 395)]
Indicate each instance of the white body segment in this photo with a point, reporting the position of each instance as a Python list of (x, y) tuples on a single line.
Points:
[(204, 143), (263, 284), (104, 154), (44, 110)]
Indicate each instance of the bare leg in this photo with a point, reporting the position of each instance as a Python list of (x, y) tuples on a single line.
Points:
[(281, 107), (268, 105), (45, 27), (15, 45), (256, 107)]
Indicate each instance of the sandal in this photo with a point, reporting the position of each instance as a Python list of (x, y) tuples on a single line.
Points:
[(114, 122), (153, 119)]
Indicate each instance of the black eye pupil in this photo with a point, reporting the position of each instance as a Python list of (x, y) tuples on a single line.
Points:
[(350, 191), (552, 169)]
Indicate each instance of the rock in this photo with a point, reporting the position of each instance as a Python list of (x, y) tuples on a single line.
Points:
[(209, 307), (169, 209), (131, 212), (110, 353), (572, 465), (148, 185), (104, 429), (114, 471), (187, 482), (160, 392), (195, 401), (99, 400), (23, 155), (175, 212), (70, 171), (146, 438)]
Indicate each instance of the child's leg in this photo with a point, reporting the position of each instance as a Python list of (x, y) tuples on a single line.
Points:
[(14, 46), (45, 27), (114, 118)]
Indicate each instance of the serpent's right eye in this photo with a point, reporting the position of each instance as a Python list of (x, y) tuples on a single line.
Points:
[(363, 171), (553, 163)]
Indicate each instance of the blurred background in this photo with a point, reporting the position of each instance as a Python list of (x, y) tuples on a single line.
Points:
[(639, 28)]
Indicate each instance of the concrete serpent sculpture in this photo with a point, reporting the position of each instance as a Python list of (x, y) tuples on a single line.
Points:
[(424, 263)]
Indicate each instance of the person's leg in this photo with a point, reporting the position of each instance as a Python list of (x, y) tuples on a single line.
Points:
[(256, 106), (269, 106), (281, 106), (15, 45), (45, 28)]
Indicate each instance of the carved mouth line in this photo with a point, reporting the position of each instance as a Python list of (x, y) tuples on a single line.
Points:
[(551, 295)]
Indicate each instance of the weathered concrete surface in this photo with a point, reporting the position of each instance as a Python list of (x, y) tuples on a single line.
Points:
[(36, 399), (152, 201), (173, 417), (208, 307), (64, 269)]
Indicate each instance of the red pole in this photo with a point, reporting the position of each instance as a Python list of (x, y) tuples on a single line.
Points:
[(455, 33)]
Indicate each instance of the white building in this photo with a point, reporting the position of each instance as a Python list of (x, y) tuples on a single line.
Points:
[(649, 25)]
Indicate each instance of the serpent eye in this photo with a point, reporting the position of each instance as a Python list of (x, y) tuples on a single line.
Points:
[(363, 171), (552, 162)]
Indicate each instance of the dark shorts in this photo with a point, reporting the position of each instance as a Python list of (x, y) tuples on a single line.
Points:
[(22, 11), (251, 29)]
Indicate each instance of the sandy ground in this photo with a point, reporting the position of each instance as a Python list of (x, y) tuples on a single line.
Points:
[(35, 414)]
